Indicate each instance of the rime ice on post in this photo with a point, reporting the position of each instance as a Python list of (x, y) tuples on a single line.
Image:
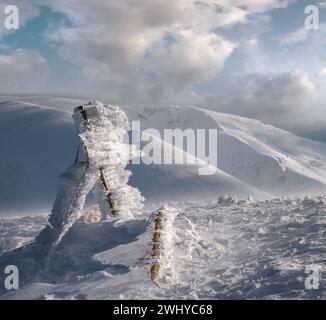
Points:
[(101, 130)]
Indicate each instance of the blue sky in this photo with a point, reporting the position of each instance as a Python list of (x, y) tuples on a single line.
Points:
[(32, 36), (248, 57)]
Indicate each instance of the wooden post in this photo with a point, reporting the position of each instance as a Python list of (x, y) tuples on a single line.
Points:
[(84, 115), (87, 125), (156, 247), (109, 197), (103, 178)]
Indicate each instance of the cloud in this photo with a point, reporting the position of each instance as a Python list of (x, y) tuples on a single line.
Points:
[(151, 49), (270, 97), (322, 4), (258, 6), (303, 35), (253, 41), (315, 131), (144, 51), (297, 36), (322, 73), (22, 71), (189, 59)]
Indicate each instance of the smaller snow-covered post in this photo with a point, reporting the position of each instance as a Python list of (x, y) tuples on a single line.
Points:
[(156, 247)]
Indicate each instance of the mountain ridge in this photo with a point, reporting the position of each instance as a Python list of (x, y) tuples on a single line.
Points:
[(255, 158)]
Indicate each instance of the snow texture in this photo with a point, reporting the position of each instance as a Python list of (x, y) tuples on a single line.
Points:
[(239, 250), (248, 231)]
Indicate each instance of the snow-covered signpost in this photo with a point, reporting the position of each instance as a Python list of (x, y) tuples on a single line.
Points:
[(101, 130)]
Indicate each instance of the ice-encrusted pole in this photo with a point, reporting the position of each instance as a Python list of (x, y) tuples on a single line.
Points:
[(162, 244), (156, 246), (101, 130)]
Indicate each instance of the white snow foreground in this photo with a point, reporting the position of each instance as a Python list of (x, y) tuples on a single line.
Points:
[(235, 249)]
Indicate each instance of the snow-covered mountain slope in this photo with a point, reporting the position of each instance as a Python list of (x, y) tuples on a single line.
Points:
[(161, 183), (65, 104), (38, 143), (267, 158), (214, 251)]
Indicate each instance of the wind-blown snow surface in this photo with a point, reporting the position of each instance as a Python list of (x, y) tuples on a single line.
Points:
[(38, 142), (260, 155), (212, 250)]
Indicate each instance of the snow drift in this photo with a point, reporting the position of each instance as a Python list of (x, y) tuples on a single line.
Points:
[(230, 250)]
